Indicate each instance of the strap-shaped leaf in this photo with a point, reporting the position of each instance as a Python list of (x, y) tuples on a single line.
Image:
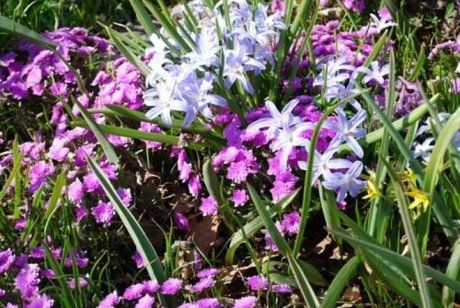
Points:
[(95, 128), (143, 245)]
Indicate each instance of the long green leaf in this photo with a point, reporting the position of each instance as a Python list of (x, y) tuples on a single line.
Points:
[(255, 225), (452, 271), (142, 16), (117, 41), (390, 257), (211, 180), (96, 129), (302, 281), (143, 245), (15, 28), (275, 235), (299, 275), (437, 156), (56, 195), (341, 279), (64, 290), (410, 234), (140, 135)]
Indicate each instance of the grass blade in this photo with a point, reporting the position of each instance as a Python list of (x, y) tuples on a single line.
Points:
[(95, 128), (437, 156), (211, 180), (56, 195), (410, 234), (125, 51), (341, 279), (363, 241), (453, 271), (142, 16), (299, 275), (137, 134), (15, 28), (255, 225), (302, 282), (140, 239)]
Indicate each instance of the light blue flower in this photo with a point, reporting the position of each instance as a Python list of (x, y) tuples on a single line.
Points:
[(163, 99), (375, 72), (346, 183), (324, 163), (237, 63), (277, 120), (347, 130)]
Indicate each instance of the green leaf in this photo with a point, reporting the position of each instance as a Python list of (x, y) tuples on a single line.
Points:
[(137, 134), (265, 216), (452, 271), (255, 225), (125, 51), (437, 155), (299, 274), (142, 16), (56, 194), (64, 290), (410, 234), (17, 159), (211, 180), (140, 239), (302, 281), (167, 25), (341, 279), (95, 128), (15, 28), (396, 260)]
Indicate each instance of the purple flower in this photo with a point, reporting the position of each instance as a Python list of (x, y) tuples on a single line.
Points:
[(208, 206), (208, 303), (42, 301), (203, 284), (110, 301), (246, 302), (183, 167), (171, 286), (138, 259), (134, 291), (181, 221), (2, 293), (203, 303), (194, 185), (281, 288), (208, 272), (83, 283), (6, 260), (146, 301), (283, 186), (58, 151), (239, 197), (291, 223), (125, 196), (103, 212), (151, 286), (38, 173), (27, 281), (76, 191), (257, 283)]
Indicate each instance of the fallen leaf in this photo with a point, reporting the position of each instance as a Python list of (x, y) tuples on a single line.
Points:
[(203, 232)]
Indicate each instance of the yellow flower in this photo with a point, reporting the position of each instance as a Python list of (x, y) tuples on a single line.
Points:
[(409, 177), (372, 190), (419, 198)]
